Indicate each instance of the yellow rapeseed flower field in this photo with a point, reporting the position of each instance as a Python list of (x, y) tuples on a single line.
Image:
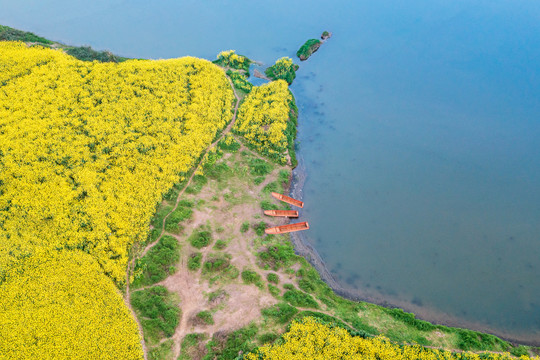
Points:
[(310, 339), (262, 119), (86, 152)]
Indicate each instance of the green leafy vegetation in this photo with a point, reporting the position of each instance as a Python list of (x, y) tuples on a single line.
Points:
[(158, 263), (162, 351), (10, 34), (86, 53), (300, 298), (200, 238), (220, 245), (281, 313), (274, 291), (284, 68), (308, 48), (205, 317), (158, 312), (259, 167), (273, 278), (191, 348), (259, 228), (245, 227), (277, 256), (267, 205), (183, 212), (239, 81), (194, 261), (196, 184), (251, 277), (228, 346)]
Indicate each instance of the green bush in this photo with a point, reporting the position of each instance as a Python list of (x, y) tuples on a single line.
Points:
[(218, 171), (196, 184), (194, 261), (271, 187), (300, 299), (245, 227), (277, 256), (274, 291), (10, 34), (239, 341), (250, 277), (268, 338), (86, 53), (410, 319), (233, 145), (258, 180), (158, 312), (306, 285), (182, 213), (282, 313), (267, 205), (259, 167), (158, 263), (289, 287), (259, 228), (206, 317), (215, 264), (220, 245), (162, 351), (273, 278), (200, 238), (239, 81)]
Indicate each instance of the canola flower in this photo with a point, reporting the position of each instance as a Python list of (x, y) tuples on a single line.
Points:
[(86, 152), (263, 117), (311, 339)]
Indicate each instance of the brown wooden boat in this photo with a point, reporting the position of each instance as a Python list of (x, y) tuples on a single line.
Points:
[(287, 228), (288, 200), (287, 213)]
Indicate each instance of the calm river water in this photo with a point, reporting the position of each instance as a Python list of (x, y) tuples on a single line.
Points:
[(419, 133)]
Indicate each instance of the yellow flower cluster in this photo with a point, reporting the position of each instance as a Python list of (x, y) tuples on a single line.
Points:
[(310, 339), (229, 57), (86, 152), (63, 307), (263, 116)]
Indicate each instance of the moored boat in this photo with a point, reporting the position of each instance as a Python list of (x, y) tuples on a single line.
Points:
[(287, 228), (287, 213), (288, 200)]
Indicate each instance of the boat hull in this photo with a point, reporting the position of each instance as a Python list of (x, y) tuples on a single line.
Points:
[(288, 200), (288, 228), (285, 213)]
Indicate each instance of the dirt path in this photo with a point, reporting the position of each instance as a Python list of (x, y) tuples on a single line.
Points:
[(131, 264)]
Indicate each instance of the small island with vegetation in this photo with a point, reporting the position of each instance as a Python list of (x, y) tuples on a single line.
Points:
[(312, 45)]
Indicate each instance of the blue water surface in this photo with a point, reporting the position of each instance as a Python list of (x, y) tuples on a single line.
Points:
[(419, 130)]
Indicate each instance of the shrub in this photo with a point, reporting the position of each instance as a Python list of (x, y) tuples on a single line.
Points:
[(282, 313), (250, 277), (194, 261), (278, 256), (196, 184), (220, 245), (158, 263), (245, 227), (274, 291), (158, 310), (299, 298), (206, 317), (259, 228), (259, 167), (273, 278), (200, 238), (267, 205)]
